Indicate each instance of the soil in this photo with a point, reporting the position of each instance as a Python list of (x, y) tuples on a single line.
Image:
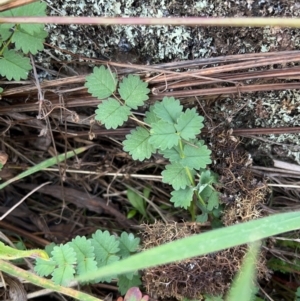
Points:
[(239, 127)]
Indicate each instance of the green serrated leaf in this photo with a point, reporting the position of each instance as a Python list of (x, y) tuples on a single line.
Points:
[(105, 247), (111, 259), (128, 244), (37, 9), (137, 144), (64, 255), (29, 42), (65, 258), (208, 177), (124, 284), (5, 31), (111, 113), (163, 135), (63, 275), (182, 197), (176, 175), (196, 157), (133, 91), (86, 265), (101, 83), (169, 109), (7, 13), (207, 191), (49, 248), (211, 197), (151, 117), (14, 65), (82, 247), (173, 154), (44, 267), (136, 201), (189, 124)]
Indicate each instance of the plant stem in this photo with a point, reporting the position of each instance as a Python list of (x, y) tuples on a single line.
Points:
[(188, 172)]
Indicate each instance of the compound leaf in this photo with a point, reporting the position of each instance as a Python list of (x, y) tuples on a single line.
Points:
[(128, 244), (176, 175), (137, 144), (105, 247), (124, 284), (189, 124), (14, 65), (182, 197), (29, 42), (101, 83), (111, 113), (134, 91), (169, 109), (196, 156), (163, 135), (44, 267)]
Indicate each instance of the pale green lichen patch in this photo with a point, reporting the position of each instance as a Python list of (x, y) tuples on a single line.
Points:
[(164, 43)]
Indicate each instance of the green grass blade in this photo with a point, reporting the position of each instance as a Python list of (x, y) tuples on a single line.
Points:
[(243, 286), (201, 244), (45, 164)]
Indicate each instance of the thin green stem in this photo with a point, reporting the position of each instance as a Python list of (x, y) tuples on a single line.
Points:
[(188, 172), (181, 148), (192, 211)]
